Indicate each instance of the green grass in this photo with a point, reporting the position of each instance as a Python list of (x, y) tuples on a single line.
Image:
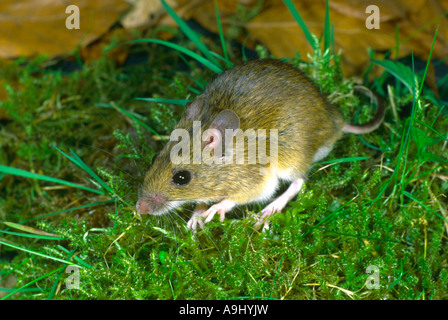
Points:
[(77, 146)]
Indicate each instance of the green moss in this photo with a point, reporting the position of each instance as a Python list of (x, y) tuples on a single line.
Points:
[(386, 211)]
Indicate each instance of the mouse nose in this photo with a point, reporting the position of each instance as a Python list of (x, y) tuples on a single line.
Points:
[(151, 203), (142, 206)]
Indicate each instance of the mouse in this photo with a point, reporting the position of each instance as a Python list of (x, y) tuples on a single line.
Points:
[(274, 109)]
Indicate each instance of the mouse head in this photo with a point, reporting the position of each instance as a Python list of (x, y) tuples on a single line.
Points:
[(191, 167)]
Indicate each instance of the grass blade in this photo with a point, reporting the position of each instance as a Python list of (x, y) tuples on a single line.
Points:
[(38, 253), (77, 160), (130, 115), (301, 23), (90, 171), (221, 35), (401, 72), (181, 102), (67, 210), (196, 76), (55, 284), (26, 235), (350, 159), (29, 229), (27, 174), (77, 258), (190, 34), (31, 282), (427, 63), (228, 62), (410, 196), (327, 27), (430, 128), (179, 48)]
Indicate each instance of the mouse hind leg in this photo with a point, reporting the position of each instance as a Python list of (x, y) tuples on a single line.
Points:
[(279, 203), (294, 188)]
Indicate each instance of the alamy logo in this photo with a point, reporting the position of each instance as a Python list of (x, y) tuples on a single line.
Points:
[(216, 147), (72, 281), (72, 21), (373, 21), (373, 280)]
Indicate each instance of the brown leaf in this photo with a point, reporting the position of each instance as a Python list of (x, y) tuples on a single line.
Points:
[(279, 32), (145, 13), (96, 49), (30, 27), (276, 28)]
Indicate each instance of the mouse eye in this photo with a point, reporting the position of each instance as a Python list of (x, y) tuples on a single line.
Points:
[(182, 178)]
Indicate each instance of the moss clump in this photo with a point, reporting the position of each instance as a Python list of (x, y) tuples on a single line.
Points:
[(367, 208)]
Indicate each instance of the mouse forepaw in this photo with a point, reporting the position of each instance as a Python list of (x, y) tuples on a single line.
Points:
[(196, 218), (221, 208), (193, 223)]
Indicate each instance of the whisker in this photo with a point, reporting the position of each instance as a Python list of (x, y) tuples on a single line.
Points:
[(138, 168)]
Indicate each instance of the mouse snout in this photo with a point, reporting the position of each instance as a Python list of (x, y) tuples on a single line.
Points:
[(142, 206), (150, 204)]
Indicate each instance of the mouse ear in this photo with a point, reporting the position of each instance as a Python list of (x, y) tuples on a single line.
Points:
[(194, 108), (226, 120)]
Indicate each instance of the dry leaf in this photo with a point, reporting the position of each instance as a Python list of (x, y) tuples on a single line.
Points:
[(204, 12), (145, 13), (278, 31), (96, 49), (32, 27), (276, 28)]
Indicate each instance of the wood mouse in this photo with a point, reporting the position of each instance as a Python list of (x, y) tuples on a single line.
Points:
[(258, 94)]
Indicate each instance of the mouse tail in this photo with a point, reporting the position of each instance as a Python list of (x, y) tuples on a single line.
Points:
[(375, 122)]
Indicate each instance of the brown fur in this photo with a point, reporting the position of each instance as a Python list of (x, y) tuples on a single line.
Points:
[(265, 94)]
